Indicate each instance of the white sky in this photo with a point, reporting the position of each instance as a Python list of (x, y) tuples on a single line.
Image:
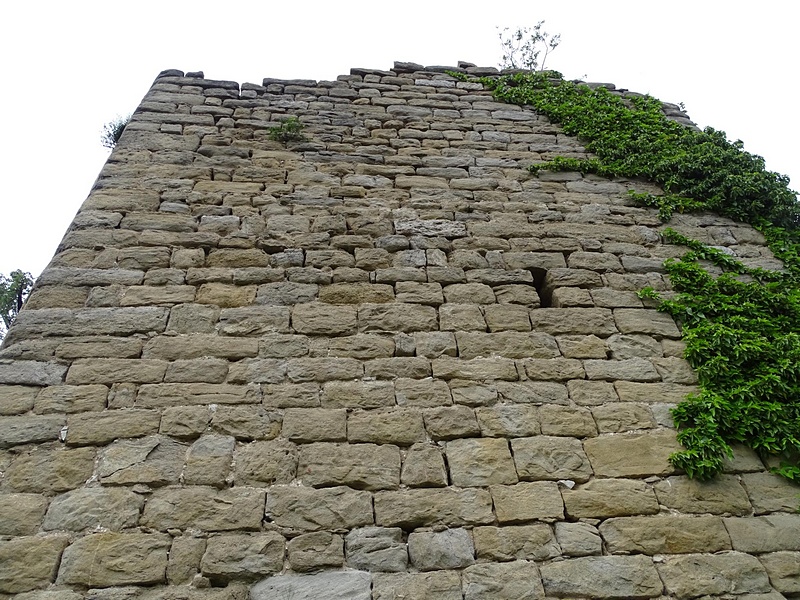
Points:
[(66, 68)]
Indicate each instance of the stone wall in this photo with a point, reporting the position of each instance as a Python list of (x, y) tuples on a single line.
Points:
[(382, 363)]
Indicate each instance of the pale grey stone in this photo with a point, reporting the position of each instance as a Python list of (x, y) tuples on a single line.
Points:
[(448, 549), (377, 549), (334, 585)]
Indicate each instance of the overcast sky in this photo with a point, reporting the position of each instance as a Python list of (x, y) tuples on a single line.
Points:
[(69, 67)]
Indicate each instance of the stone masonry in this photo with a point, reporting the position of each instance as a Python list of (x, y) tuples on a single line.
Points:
[(382, 363)]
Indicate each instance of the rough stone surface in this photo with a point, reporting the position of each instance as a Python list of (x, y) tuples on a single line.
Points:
[(27, 563), (337, 585), (242, 557), (713, 574), (602, 577), (448, 549)]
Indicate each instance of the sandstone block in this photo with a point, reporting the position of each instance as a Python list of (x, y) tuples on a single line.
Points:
[(422, 393), (257, 370), (480, 462), (567, 421), (301, 370), (665, 535), (714, 574), (361, 346), (508, 420), (508, 344), (525, 295), (518, 580), (315, 424), (670, 393), (309, 509), (17, 399), (423, 466), (432, 507), (29, 372), (357, 394), (98, 428), (21, 514), (623, 346), (646, 321), (205, 370), (472, 393), (578, 539), (227, 296), (150, 295), (396, 317), (360, 466), (469, 293), (184, 558), (401, 426), (769, 533), (108, 559), (318, 550), (46, 469), (602, 498), (208, 461), (199, 346), (266, 463), (184, 421), (573, 321), (29, 429), (242, 557), (527, 501), (769, 493), (94, 508), (507, 317), (27, 563), (333, 585), (111, 370), (204, 508), (602, 577), (632, 454), (475, 369), (377, 549), (442, 585), (90, 321), (591, 393), (253, 320), (631, 369), (154, 460), (673, 369), (523, 542), (319, 318), (413, 292), (193, 318), (434, 344), (550, 458), (461, 317), (601, 262), (621, 417), (450, 422), (434, 550), (532, 392), (303, 395), (721, 495)]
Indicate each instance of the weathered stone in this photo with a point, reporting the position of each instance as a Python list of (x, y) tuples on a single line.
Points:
[(154, 460), (29, 372), (461, 317), (527, 501), (309, 509), (227, 296), (442, 585), (98, 428), (435, 344), (423, 466), (620, 417), (631, 369), (91, 321), (401, 426), (198, 346), (183, 394), (184, 558), (721, 495), (783, 569), (524, 542), (477, 369), (207, 370), (713, 574), (208, 461), (601, 498), (46, 469), (111, 370), (419, 293), (550, 458), (573, 321), (534, 392), (469, 293), (769, 533), (246, 422), (17, 399), (319, 318), (94, 508), (106, 559), (648, 322), (665, 535), (315, 424), (602, 577), (578, 539), (204, 508), (567, 421), (304, 395), (624, 346), (21, 514), (431, 507), (508, 420), (670, 393), (231, 557), (480, 462), (396, 317), (448, 549), (632, 454), (184, 421), (518, 580), (357, 394), (591, 393), (29, 429), (769, 493), (312, 551), (507, 344), (27, 563), (377, 549), (356, 293), (334, 585), (253, 320), (266, 463), (360, 466), (581, 346), (301, 370), (450, 422)]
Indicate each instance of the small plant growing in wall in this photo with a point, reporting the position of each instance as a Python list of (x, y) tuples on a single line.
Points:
[(112, 131), (290, 130), (523, 46)]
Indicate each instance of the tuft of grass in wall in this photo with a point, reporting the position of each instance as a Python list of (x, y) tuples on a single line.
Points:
[(289, 130), (112, 131), (742, 328)]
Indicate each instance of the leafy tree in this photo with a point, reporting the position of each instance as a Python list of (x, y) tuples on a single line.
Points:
[(522, 47), (14, 289), (112, 131)]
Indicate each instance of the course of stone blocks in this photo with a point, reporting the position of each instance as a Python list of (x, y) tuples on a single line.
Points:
[(385, 362)]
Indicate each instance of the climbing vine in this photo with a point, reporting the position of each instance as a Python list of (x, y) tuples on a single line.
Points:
[(742, 327)]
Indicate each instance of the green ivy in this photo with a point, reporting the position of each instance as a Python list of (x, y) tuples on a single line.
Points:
[(741, 328)]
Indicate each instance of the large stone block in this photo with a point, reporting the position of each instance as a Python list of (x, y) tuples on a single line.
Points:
[(783, 569), (396, 317), (230, 557), (154, 460), (28, 563), (434, 550), (30, 372), (602, 498), (377, 549), (319, 318), (98, 428), (357, 394), (433, 507), (309, 509), (204, 508), (335, 585), (538, 500), (721, 495), (266, 463), (550, 458), (47, 469), (508, 420), (108, 559), (401, 426), (442, 585), (713, 574), (632, 454), (184, 394), (602, 577), (518, 580), (29, 429), (523, 542), (94, 508), (665, 535), (480, 462), (314, 551), (573, 321), (360, 466), (769, 533), (21, 514)]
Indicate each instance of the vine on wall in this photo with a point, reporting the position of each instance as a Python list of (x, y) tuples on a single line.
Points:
[(742, 328)]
